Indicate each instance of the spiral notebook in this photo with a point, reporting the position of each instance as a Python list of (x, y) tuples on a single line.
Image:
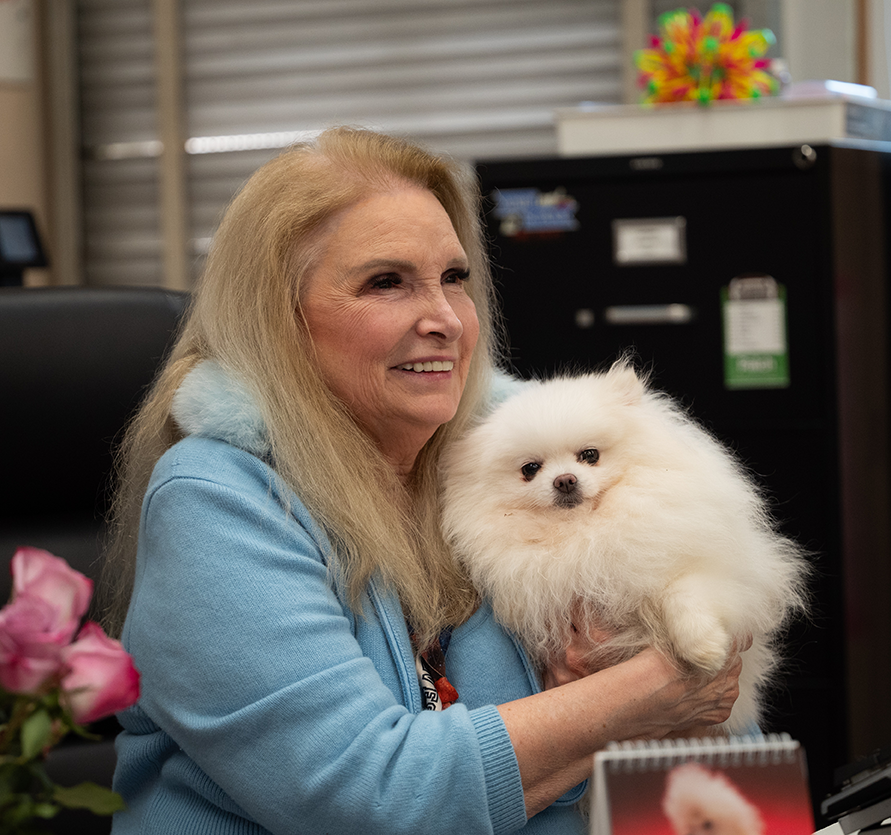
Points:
[(748, 785)]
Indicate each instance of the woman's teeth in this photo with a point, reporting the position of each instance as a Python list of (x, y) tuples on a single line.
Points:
[(428, 366)]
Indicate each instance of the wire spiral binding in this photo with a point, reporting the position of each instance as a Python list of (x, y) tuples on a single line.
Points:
[(756, 749)]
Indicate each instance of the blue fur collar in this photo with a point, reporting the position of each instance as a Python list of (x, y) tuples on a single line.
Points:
[(213, 403)]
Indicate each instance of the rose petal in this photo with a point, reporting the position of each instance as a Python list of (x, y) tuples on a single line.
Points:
[(40, 573), (101, 679), (24, 674), (30, 644), (29, 621)]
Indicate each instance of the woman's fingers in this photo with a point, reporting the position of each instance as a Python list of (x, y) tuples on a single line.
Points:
[(700, 702), (585, 636), (721, 693), (742, 642)]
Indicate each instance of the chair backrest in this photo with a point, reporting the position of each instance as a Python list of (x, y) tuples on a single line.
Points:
[(74, 364)]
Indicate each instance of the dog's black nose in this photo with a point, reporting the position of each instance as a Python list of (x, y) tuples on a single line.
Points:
[(566, 483)]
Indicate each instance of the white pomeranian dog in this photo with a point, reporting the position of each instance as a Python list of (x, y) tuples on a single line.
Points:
[(596, 501)]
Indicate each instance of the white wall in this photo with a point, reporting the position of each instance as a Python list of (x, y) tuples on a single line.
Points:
[(819, 39), (879, 40)]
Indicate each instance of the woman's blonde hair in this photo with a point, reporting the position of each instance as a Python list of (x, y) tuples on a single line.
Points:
[(246, 315)]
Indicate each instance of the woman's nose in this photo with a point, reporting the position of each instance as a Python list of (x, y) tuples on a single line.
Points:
[(438, 317)]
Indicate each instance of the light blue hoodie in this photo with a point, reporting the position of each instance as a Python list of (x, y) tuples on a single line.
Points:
[(267, 705)]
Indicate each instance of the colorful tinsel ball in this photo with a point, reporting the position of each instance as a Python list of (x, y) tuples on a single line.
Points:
[(700, 59)]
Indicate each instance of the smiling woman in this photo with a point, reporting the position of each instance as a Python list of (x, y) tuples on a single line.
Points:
[(395, 334), (297, 617)]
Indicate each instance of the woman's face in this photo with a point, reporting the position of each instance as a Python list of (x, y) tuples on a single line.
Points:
[(393, 327)]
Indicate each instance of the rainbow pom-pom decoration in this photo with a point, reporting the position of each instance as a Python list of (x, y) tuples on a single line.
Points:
[(701, 59)]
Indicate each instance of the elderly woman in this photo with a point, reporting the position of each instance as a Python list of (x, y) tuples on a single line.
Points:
[(291, 581)]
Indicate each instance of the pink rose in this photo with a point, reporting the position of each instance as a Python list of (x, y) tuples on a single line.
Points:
[(49, 598), (30, 644), (100, 678), (51, 578)]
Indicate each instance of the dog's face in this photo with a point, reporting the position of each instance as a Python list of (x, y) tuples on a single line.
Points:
[(562, 459), (553, 449), (565, 489)]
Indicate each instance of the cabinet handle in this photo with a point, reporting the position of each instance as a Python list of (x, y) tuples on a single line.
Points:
[(649, 314)]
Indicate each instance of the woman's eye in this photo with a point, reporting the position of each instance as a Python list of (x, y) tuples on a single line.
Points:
[(529, 470), (385, 282), (457, 276), (589, 456)]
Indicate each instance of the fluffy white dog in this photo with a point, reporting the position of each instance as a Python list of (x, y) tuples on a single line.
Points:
[(594, 500)]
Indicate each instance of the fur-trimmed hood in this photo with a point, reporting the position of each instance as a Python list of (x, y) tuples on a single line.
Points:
[(211, 402)]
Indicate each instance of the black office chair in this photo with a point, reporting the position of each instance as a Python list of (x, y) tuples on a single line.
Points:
[(74, 364)]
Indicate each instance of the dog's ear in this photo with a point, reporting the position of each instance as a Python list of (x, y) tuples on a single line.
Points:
[(624, 380)]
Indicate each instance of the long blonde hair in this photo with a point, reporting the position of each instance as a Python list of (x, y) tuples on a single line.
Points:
[(246, 315)]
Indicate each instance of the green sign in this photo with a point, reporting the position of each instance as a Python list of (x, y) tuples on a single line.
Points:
[(756, 350)]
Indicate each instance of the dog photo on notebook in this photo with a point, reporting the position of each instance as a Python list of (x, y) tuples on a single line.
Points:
[(595, 499)]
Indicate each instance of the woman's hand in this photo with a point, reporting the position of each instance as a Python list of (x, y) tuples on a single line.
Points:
[(677, 703), (584, 652), (574, 664), (555, 733), (685, 705)]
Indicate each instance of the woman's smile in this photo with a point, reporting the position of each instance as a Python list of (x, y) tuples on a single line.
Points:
[(428, 366)]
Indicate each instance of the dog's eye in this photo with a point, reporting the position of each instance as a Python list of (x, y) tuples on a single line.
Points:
[(530, 470), (589, 456)]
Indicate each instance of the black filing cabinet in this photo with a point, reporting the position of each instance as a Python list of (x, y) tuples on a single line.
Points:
[(752, 283)]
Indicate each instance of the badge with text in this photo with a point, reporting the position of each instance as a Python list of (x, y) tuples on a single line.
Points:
[(756, 350)]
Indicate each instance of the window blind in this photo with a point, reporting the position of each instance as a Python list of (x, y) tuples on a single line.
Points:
[(122, 239), (474, 78)]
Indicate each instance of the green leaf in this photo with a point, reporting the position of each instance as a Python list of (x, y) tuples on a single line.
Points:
[(44, 810), (98, 799), (17, 815), (36, 733)]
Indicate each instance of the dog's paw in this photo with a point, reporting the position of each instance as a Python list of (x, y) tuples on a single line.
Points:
[(697, 635), (706, 651)]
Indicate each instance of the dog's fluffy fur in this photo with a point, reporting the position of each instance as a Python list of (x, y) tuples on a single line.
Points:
[(659, 536)]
